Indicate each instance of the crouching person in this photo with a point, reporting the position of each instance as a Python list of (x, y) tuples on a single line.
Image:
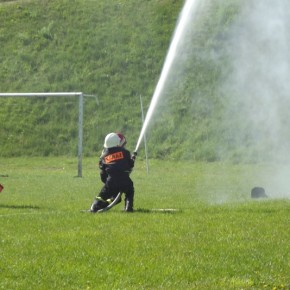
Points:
[(116, 164)]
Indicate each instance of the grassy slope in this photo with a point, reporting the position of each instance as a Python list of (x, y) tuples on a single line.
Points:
[(111, 49), (114, 50)]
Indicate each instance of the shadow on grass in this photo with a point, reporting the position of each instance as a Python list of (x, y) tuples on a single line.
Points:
[(158, 210), (19, 206), (142, 210)]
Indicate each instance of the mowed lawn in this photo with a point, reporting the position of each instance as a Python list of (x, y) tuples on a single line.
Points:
[(195, 226)]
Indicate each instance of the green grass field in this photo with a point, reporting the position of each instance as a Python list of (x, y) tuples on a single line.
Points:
[(217, 239)]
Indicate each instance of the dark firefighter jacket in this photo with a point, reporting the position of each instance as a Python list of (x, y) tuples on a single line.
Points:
[(115, 164)]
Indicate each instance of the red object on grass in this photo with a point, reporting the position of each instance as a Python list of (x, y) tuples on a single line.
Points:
[(1, 187)]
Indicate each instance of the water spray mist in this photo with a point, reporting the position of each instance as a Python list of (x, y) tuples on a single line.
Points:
[(180, 29)]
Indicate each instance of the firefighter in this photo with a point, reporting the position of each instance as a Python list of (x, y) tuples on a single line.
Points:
[(116, 164)]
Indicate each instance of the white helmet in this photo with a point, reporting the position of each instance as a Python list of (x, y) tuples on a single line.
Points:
[(112, 140)]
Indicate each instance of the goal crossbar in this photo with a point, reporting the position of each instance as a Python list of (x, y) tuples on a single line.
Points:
[(81, 96)]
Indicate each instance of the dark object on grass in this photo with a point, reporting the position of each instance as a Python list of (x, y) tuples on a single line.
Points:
[(258, 192), (1, 187)]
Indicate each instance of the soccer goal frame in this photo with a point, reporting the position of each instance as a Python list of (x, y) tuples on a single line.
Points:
[(81, 96)]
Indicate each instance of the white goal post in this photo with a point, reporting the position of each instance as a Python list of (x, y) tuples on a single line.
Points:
[(80, 122)]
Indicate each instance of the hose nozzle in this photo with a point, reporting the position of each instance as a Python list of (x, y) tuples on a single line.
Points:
[(134, 155)]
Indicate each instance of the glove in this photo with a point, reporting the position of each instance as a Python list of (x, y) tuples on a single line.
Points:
[(134, 155)]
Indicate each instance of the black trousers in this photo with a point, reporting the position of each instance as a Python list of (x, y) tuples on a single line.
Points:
[(113, 186)]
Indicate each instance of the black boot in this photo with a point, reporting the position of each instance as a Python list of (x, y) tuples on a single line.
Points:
[(129, 205)]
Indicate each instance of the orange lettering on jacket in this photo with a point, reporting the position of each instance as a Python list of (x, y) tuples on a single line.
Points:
[(113, 157)]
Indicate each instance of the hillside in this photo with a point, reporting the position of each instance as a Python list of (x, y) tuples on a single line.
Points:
[(115, 50), (111, 49)]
